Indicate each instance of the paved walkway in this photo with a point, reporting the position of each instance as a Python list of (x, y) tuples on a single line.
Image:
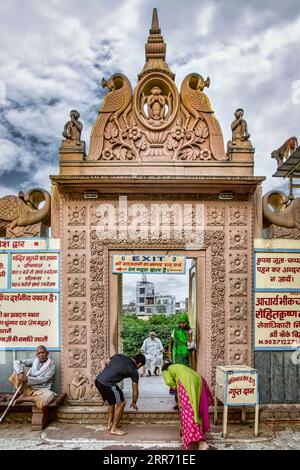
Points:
[(145, 437), (153, 394)]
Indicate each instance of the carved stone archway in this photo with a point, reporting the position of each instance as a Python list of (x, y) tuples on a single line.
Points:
[(214, 318)]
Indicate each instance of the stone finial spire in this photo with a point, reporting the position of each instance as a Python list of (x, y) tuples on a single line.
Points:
[(155, 50), (155, 25)]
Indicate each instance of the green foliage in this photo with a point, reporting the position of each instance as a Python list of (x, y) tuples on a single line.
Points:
[(135, 330)]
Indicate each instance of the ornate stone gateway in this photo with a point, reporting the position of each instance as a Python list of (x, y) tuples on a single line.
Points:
[(157, 179)]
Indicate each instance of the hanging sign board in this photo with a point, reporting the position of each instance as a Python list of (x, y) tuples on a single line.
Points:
[(149, 264)]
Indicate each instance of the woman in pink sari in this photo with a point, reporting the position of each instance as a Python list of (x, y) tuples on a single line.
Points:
[(194, 400)]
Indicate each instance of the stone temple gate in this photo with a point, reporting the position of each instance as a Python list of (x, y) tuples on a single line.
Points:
[(157, 179)]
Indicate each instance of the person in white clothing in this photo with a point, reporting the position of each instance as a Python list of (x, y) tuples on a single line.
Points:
[(153, 350), (36, 385)]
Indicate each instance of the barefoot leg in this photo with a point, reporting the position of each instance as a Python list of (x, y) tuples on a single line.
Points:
[(117, 418), (203, 445), (111, 410)]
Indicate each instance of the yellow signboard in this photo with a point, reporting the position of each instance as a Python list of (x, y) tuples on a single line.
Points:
[(277, 270), (149, 264)]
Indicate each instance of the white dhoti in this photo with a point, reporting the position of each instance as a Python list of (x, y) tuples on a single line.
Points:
[(152, 348), (42, 396), (153, 361)]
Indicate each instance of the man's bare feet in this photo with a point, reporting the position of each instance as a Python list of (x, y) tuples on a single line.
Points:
[(203, 445), (118, 432), (109, 426)]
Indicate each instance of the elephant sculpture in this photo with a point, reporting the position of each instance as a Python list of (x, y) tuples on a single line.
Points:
[(20, 216), (284, 212)]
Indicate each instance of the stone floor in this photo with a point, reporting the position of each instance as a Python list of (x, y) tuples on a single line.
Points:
[(144, 437), (153, 396)]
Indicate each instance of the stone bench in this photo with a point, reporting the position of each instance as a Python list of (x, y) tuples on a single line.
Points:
[(40, 417)]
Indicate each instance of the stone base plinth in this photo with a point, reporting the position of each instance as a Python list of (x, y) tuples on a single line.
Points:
[(70, 152), (241, 153)]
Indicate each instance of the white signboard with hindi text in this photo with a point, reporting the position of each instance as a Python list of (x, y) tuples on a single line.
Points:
[(3, 271), (236, 385), (34, 271), (29, 319), (277, 320), (276, 294), (29, 293)]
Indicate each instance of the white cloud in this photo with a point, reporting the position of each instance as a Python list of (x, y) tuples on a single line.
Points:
[(205, 19)]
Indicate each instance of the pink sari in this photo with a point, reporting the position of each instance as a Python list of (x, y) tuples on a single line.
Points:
[(192, 431)]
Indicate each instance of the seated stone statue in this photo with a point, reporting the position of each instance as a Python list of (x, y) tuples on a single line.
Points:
[(73, 128), (239, 128)]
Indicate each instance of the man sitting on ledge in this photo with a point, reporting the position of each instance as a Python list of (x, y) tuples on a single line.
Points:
[(36, 386)]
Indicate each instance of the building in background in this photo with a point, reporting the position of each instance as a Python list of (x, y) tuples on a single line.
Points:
[(182, 306), (130, 308), (148, 303), (145, 297), (165, 304)]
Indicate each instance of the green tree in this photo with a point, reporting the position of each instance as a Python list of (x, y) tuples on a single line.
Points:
[(135, 330)]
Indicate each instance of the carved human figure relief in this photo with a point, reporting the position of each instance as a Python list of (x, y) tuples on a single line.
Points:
[(78, 388), (156, 105)]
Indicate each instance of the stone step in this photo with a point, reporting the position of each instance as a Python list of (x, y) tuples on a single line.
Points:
[(99, 415)]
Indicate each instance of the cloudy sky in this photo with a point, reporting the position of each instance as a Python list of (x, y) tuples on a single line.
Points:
[(55, 52)]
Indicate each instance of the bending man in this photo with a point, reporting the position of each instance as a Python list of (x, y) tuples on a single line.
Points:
[(119, 368)]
